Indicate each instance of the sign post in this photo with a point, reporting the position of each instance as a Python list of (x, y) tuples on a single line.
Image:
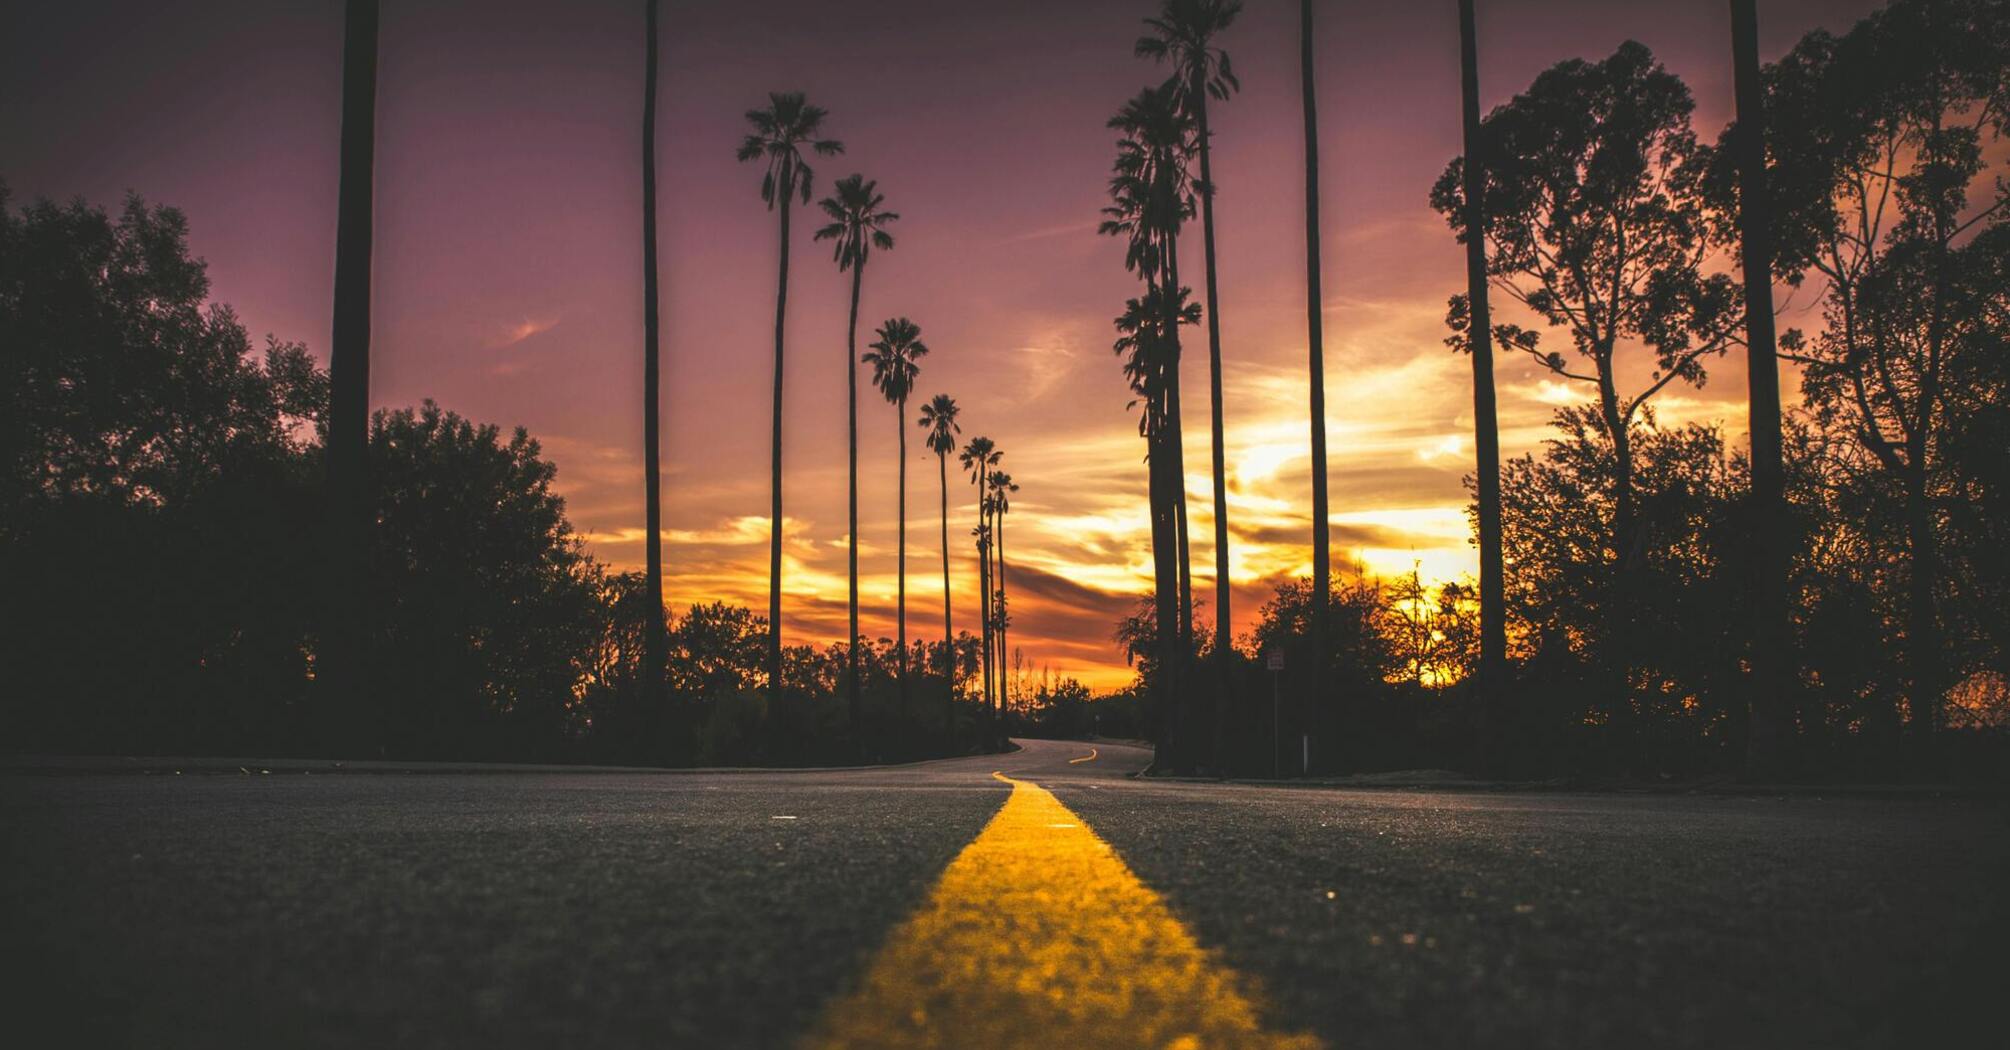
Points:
[(1275, 660)]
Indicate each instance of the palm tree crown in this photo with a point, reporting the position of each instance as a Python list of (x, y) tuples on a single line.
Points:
[(978, 457), (894, 358), (780, 133), (1183, 33), (1150, 185), (856, 219), (938, 417)]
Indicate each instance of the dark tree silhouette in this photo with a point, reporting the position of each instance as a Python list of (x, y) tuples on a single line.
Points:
[(1184, 34), (979, 455), (894, 358), (1593, 223), (780, 134), (1152, 197), (1770, 658), (938, 418), (1478, 341), (1878, 139), (856, 221), (1000, 503), (655, 642), (1315, 341), (342, 666)]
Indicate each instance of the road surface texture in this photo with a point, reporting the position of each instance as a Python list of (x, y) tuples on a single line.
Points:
[(1058, 903)]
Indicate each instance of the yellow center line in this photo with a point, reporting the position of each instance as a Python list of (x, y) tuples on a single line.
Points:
[(1090, 757), (1038, 935)]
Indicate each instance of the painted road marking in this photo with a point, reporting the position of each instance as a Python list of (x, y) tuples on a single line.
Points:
[(1038, 935), (1090, 757)]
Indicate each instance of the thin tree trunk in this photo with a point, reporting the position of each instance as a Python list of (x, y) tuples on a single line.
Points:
[(900, 424), (1222, 583), (655, 644), (851, 431), (347, 638), (1922, 626), (1004, 620), (1486, 427), (775, 482), (1771, 643), (1322, 565), (948, 632), (984, 585)]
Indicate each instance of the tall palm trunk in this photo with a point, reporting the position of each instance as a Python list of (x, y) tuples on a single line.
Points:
[(948, 633), (1322, 566), (1004, 621), (1176, 495), (775, 480), (1771, 640), (900, 605), (655, 641), (349, 385), (1222, 617), (1165, 588), (851, 408), (1486, 426), (984, 585)]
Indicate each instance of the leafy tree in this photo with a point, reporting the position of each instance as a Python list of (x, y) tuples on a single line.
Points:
[(781, 133), (895, 363), (1878, 140), (857, 226)]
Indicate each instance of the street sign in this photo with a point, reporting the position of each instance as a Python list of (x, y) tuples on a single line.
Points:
[(1275, 658)]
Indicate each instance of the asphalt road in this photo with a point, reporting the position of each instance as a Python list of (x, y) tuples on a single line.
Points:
[(584, 909)]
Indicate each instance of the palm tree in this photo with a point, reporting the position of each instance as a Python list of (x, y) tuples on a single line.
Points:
[(349, 369), (894, 360), (655, 638), (1152, 197), (1001, 502), (1183, 34), (938, 417), (1322, 565), (979, 455), (856, 222), (1770, 662), (1486, 428), (780, 134)]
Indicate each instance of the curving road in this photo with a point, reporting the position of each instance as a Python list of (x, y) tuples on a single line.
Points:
[(1059, 901)]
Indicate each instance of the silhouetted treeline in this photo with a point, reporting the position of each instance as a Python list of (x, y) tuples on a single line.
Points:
[(163, 530)]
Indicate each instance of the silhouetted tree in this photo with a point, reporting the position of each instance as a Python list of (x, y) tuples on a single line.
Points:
[(894, 358), (1593, 223), (856, 221), (1877, 139), (655, 641), (341, 666), (938, 418), (781, 132), (1183, 34), (1001, 502), (979, 455)]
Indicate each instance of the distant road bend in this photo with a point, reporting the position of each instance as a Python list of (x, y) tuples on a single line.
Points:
[(1040, 899)]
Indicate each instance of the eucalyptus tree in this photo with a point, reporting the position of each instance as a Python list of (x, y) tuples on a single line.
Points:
[(781, 133), (857, 227), (895, 359), (1593, 222), (1880, 141), (1183, 34), (655, 633), (979, 455), (1001, 502), (938, 418)]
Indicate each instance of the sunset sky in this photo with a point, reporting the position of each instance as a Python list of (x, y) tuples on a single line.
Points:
[(508, 284)]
